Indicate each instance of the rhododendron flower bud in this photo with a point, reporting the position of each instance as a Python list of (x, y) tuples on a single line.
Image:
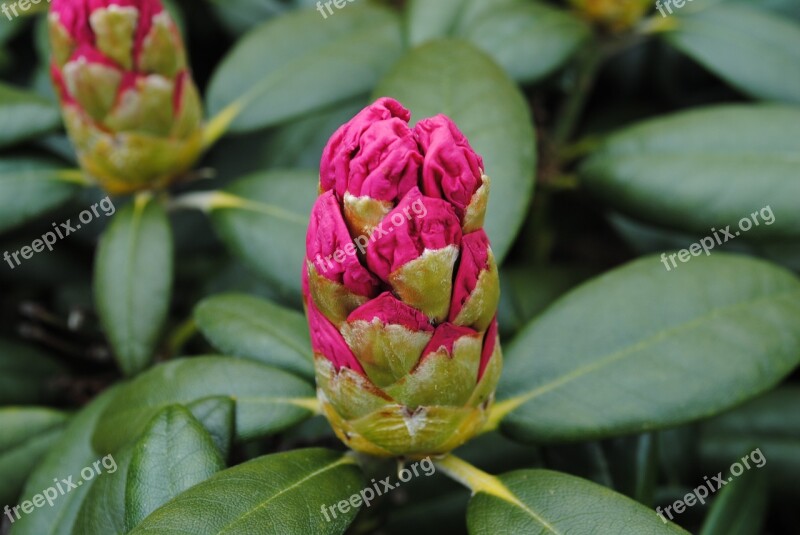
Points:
[(400, 285), (128, 99)]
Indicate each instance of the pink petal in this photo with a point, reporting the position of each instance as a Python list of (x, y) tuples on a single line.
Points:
[(391, 311), (445, 336), (474, 259), (375, 154), (327, 341), (328, 246), (451, 169), (417, 224)]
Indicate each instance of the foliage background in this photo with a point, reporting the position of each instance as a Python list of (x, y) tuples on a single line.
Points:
[(554, 100)]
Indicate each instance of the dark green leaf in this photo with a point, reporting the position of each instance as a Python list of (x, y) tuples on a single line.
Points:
[(68, 456), (740, 507), (548, 502), (133, 281), (25, 115), (770, 423), (174, 454), (528, 39), (28, 433), (454, 78), (755, 51), (706, 168), (26, 375), (300, 62), (29, 188), (218, 416), (265, 223), (283, 493), (642, 348), (257, 329), (268, 400)]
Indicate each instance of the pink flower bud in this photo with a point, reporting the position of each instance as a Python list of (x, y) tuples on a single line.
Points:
[(451, 169), (401, 285), (128, 100)]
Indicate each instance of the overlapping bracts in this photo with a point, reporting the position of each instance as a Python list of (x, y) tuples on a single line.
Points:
[(401, 286), (127, 96)]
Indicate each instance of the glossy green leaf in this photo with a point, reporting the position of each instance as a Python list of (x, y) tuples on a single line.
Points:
[(268, 400), (705, 169), (300, 62), (528, 39), (133, 281), (263, 220), (69, 455), (454, 78), (770, 423), (26, 374), (526, 291), (29, 188), (740, 507), (218, 416), (174, 454), (103, 509), (641, 348), (545, 502), (257, 329), (283, 493), (25, 115), (753, 50), (27, 434)]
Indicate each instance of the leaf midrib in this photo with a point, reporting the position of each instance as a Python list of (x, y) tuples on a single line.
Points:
[(620, 354)]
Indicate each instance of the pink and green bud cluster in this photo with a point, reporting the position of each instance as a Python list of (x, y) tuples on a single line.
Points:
[(401, 286), (127, 96)]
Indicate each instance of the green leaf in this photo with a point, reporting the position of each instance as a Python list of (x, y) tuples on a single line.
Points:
[(67, 457), (218, 416), (299, 63), (641, 348), (527, 291), (454, 78), (28, 433), (174, 454), (268, 400), (770, 423), (740, 507), (430, 20), (753, 50), (282, 493), (239, 16), (133, 281), (103, 509), (541, 501), (28, 188), (26, 374), (707, 168), (257, 329), (263, 219), (25, 115), (529, 40)]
